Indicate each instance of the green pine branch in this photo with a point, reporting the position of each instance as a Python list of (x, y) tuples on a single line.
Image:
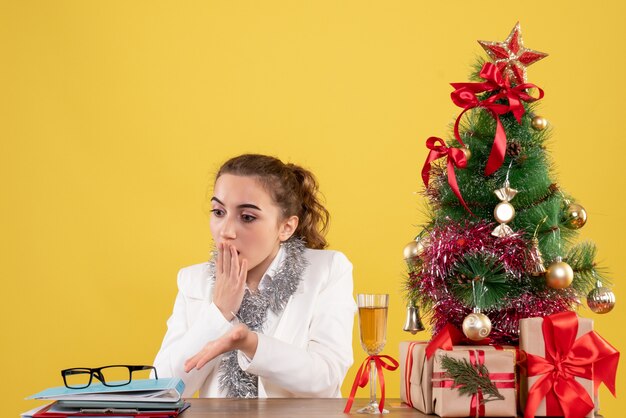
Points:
[(479, 280), (581, 258), (469, 379)]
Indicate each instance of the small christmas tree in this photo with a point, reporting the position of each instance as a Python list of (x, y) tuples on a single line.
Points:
[(500, 243)]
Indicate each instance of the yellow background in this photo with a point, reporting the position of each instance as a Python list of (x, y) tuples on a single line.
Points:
[(114, 115)]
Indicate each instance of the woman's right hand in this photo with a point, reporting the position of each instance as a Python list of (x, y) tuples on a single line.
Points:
[(230, 280)]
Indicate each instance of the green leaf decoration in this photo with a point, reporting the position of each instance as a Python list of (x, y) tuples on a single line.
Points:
[(469, 379)]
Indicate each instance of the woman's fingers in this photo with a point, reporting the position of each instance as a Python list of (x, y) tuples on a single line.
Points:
[(243, 273), (234, 262), (204, 358), (227, 342), (201, 358), (226, 260), (230, 283), (191, 362), (220, 259)]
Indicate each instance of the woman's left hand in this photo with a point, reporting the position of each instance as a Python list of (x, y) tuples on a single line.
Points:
[(238, 338)]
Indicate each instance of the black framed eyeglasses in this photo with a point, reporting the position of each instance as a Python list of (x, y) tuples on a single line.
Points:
[(115, 375)]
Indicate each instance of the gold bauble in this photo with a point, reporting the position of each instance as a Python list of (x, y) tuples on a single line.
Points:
[(476, 326), (601, 300), (504, 212), (413, 250), (539, 123), (467, 152), (575, 216), (559, 274)]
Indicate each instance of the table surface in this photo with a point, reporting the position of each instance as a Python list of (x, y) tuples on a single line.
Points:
[(289, 407)]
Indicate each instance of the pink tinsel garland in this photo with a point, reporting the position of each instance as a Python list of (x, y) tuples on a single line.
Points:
[(448, 243)]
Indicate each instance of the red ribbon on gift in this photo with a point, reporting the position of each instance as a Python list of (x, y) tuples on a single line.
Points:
[(477, 405), (492, 376), (363, 376), (408, 368), (465, 96), (448, 384), (590, 357), (455, 157), (450, 336)]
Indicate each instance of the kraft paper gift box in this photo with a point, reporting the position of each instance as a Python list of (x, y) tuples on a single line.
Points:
[(449, 402), (532, 342), (416, 372)]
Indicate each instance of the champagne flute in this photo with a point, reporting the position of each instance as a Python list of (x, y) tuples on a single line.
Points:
[(373, 327)]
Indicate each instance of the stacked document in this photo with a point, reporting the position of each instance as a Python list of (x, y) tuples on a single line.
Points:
[(147, 398)]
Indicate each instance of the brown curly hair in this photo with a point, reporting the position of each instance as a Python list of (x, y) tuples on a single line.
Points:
[(292, 187)]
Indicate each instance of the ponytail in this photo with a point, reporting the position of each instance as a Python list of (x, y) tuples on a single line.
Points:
[(314, 218)]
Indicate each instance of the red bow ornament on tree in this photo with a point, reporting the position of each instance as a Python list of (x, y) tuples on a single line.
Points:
[(465, 96), (456, 157), (589, 357), (448, 337)]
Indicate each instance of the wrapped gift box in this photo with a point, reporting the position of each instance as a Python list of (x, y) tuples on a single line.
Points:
[(416, 372), (449, 402), (532, 342)]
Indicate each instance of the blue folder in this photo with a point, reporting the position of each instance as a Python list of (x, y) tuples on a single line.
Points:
[(142, 390)]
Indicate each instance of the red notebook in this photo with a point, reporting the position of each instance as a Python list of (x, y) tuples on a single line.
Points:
[(55, 411)]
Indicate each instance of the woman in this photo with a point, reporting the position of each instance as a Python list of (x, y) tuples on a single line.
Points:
[(271, 314)]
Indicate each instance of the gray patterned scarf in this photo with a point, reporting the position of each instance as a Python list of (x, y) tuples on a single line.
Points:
[(253, 312)]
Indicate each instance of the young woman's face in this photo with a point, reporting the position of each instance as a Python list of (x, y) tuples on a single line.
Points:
[(245, 215)]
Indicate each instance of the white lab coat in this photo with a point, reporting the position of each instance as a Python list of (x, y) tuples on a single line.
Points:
[(303, 352)]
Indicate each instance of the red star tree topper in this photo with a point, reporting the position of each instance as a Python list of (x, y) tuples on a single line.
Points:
[(511, 57)]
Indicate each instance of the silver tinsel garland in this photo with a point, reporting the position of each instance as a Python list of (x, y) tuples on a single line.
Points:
[(253, 312)]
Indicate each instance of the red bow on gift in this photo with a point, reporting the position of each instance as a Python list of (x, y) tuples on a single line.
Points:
[(465, 96), (448, 337), (456, 157), (589, 357), (363, 376)]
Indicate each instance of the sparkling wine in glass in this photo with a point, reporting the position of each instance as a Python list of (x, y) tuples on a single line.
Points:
[(373, 327)]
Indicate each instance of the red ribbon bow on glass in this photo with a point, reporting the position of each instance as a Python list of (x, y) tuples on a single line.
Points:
[(363, 376), (465, 96), (456, 157), (589, 357)]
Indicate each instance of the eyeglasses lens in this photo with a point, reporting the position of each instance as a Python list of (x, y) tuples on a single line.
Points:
[(115, 375), (77, 378)]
